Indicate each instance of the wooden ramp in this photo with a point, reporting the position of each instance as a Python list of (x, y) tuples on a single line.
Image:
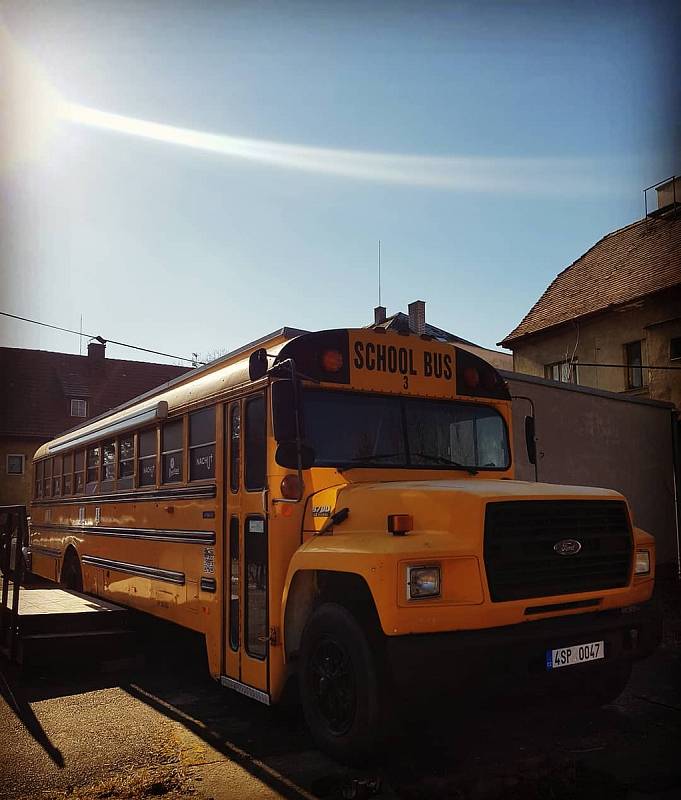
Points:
[(56, 626)]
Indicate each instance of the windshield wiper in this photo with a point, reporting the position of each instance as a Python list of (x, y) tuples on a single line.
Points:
[(444, 460), (360, 460)]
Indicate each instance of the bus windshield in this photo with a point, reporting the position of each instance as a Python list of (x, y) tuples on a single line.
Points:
[(356, 429)]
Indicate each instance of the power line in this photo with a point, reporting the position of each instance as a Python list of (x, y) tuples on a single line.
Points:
[(100, 339), (622, 366)]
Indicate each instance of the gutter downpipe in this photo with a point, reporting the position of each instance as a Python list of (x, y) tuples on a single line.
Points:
[(676, 479)]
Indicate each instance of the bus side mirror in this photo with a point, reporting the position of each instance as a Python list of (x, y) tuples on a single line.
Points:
[(530, 440), (284, 411), (287, 455), (257, 364)]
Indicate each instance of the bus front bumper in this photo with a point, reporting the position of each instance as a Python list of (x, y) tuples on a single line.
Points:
[(517, 654)]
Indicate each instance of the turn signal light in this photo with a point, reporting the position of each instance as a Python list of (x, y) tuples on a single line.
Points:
[(290, 487), (399, 524), (332, 361), (471, 377)]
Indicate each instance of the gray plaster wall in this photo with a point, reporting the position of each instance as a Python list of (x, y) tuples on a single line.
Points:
[(587, 437)]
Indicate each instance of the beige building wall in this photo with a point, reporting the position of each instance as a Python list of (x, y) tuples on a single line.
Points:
[(497, 358), (664, 385), (602, 339), (17, 489)]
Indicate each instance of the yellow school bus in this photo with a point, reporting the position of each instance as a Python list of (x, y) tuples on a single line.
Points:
[(339, 508)]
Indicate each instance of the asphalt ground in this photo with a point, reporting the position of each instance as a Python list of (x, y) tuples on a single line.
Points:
[(162, 728)]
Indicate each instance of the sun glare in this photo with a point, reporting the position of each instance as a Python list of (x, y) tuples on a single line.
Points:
[(35, 109), (470, 173), (31, 106)]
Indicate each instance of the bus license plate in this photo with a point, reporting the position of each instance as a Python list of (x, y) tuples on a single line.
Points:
[(577, 654)]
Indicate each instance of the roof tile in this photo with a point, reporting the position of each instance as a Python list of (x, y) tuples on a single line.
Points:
[(37, 386), (635, 261)]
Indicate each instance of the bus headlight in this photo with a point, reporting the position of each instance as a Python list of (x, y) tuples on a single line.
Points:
[(423, 582), (642, 565)]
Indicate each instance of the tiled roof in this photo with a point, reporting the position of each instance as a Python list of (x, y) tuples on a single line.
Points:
[(37, 387), (627, 264), (400, 322)]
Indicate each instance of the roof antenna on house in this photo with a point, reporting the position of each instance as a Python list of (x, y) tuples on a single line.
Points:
[(80, 337), (379, 272)]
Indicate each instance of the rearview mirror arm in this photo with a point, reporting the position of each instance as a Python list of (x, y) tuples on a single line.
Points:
[(290, 363)]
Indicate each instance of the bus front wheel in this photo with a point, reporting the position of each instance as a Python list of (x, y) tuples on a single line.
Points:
[(339, 685)]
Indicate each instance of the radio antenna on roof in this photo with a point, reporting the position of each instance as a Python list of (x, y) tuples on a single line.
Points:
[(379, 272)]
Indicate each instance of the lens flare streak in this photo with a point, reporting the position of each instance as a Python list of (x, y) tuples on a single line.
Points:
[(465, 173)]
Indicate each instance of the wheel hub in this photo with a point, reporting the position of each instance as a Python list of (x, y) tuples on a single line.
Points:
[(333, 685)]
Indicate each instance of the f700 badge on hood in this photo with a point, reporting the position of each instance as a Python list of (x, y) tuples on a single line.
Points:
[(321, 511)]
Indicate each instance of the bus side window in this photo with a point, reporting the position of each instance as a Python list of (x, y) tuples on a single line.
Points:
[(254, 467), (92, 470), (47, 481), (39, 468), (146, 469), (234, 446), (172, 450), (56, 475), (108, 465), (68, 473), (202, 444), (79, 472), (126, 461)]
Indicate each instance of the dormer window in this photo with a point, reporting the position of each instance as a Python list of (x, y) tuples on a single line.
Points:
[(79, 408)]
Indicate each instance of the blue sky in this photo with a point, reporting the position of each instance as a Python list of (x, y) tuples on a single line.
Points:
[(545, 122)]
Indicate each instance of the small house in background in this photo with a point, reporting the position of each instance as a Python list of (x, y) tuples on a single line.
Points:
[(44, 394), (415, 321), (615, 312)]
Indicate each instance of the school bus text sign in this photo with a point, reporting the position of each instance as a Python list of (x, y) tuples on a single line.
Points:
[(403, 365)]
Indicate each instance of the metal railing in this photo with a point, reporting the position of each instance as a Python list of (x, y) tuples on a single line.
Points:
[(659, 209), (13, 538)]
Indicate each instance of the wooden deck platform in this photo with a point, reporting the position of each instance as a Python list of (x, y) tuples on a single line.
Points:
[(56, 625), (34, 601)]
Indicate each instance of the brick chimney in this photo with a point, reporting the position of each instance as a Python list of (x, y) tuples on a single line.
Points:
[(95, 352), (379, 315), (417, 317)]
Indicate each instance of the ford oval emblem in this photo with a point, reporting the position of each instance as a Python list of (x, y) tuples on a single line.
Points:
[(567, 547)]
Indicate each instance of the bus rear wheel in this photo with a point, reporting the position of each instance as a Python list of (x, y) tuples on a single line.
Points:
[(339, 685), (71, 573)]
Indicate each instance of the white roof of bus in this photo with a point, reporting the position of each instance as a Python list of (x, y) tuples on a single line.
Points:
[(200, 384)]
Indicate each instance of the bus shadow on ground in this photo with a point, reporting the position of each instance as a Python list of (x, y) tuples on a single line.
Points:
[(448, 749), (512, 747)]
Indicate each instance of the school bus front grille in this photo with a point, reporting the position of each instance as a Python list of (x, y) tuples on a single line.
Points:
[(521, 537)]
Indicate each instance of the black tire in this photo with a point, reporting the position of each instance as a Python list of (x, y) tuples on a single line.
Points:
[(341, 686), (71, 573)]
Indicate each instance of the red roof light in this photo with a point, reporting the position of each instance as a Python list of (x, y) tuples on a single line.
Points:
[(332, 361)]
